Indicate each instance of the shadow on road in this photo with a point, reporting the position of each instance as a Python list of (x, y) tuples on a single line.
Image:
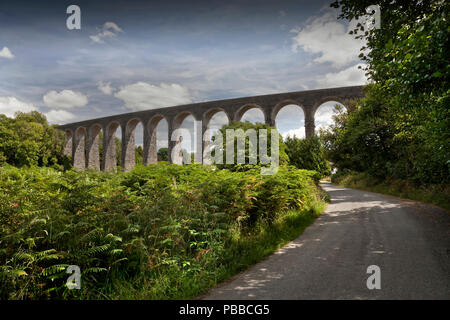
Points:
[(329, 260)]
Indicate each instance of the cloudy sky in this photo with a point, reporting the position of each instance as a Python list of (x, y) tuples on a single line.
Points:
[(139, 55)]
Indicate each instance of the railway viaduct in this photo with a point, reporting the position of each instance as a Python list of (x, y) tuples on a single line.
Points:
[(83, 138)]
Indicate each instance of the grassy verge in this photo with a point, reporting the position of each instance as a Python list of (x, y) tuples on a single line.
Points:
[(241, 253), (157, 232), (438, 195)]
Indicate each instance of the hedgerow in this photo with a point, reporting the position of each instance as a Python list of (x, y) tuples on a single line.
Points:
[(157, 232)]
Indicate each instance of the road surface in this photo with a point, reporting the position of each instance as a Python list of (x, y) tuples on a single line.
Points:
[(408, 240)]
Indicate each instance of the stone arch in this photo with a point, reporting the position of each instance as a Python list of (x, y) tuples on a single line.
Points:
[(151, 138), (179, 118), (206, 133), (327, 99), (207, 116), (109, 146), (175, 138), (320, 107), (290, 121), (128, 160), (282, 104), (79, 149), (243, 109), (93, 147), (154, 121)]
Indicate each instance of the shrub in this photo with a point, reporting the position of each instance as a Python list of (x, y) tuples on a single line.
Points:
[(244, 126), (307, 154)]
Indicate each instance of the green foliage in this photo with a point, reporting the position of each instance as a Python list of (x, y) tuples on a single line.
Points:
[(362, 140), (307, 154), (159, 232), (118, 151), (163, 154), (244, 126), (28, 140), (139, 154), (400, 129)]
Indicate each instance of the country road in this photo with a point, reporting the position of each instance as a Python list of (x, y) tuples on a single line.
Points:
[(409, 241)]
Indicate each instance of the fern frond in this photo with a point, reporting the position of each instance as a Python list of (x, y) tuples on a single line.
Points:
[(94, 270), (116, 252), (21, 256), (98, 249), (112, 237), (56, 268)]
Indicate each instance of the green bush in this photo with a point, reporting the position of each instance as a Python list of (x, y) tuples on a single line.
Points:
[(244, 126), (163, 154), (156, 232), (307, 154), (28, 140)]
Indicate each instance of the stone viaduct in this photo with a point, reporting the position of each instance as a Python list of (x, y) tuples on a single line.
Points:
[(83, 138)]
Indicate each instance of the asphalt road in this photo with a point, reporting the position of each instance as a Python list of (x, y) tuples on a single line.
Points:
[(409, 241)]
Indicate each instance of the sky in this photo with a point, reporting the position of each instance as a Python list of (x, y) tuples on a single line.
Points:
[(139, 55)]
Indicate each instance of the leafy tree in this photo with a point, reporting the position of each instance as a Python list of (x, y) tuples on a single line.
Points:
[(28, 140), (401, 128), (244, 126), (307, 154), (329, 135), (163, 154), (362, 140)]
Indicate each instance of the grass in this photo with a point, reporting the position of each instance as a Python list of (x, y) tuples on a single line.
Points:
[(436, 194), (243, 253)]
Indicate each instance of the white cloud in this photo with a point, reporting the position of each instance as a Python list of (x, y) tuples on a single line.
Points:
[(66, 99), (143, 96), (59, 116), (111, 26), (253, 115), (105, 87), (324, 114), (6, 53), (325, 127), (329, 38), (299, 133), (351, 76), (108, 30), (218, 120), (10, 105)]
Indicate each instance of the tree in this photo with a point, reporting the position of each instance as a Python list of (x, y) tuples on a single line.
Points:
[(163, 154), (28, 140), (362, 139), (401, 128), (307, 154), (245, 126)]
